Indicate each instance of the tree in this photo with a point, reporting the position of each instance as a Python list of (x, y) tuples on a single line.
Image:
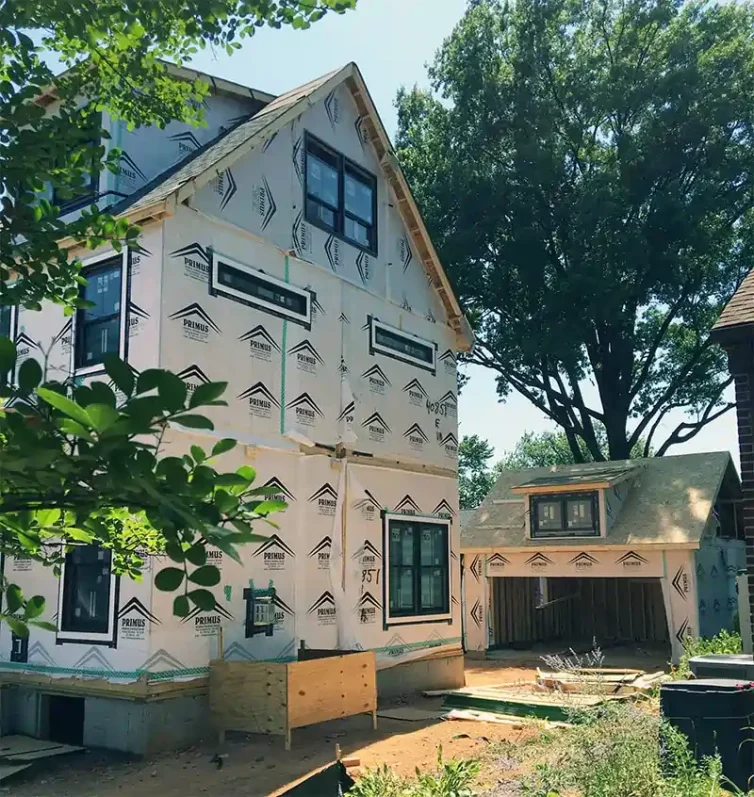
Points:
[(475, 478), (586, 169), (84, 463), (545, 449)]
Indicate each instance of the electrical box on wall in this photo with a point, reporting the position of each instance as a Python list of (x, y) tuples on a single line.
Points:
[(260, 610)]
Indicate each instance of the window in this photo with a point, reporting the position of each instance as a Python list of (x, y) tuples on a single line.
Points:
[(85, 193), (340, 196), (257, 289), (6, 321), (86, 605), (401, 345), (574, 515), (417, 581), (99, 328)]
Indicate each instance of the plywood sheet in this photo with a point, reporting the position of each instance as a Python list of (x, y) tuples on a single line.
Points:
[(8, 770), (248, 696), (328, 689)]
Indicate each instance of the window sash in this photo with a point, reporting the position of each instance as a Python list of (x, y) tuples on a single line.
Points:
[(300, 316), (99, 626), (563, 529), (109, 262), (382, 347), (345, 169), (405, 566)]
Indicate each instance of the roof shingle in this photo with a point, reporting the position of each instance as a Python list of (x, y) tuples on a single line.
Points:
[(668, 503), (740, 309)]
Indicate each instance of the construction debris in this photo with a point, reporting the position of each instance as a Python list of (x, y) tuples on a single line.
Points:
[(602, 681), (18, 753), (523, 701)]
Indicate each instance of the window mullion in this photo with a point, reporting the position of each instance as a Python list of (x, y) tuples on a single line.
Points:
[(417, 572)]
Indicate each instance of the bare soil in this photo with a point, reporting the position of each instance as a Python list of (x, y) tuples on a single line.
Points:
[(258, 765)]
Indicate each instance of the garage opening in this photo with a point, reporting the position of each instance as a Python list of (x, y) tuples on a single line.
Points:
[(530, 611)]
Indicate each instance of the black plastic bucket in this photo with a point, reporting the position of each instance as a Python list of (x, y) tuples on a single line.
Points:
[(717, 717)]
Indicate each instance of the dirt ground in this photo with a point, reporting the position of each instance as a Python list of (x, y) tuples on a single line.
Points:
[(257, 765)]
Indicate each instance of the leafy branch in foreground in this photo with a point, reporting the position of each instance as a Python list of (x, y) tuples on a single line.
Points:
[(82, 464)]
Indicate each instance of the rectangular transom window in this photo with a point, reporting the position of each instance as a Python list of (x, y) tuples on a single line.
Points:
[(417, 565), (340, 196), (257, 289), (100, 328), (401, 345), (572, 515), (86, 606)]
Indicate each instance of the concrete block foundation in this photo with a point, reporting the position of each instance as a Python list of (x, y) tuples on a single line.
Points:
[(128, 726), (417, 676)]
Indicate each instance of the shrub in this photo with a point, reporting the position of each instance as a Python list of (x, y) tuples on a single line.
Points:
[(722, 643), (452, 779)]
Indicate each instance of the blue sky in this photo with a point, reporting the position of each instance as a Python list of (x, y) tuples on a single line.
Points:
[(392, 41)]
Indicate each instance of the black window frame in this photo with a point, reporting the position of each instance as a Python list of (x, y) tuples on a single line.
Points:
[(90, 192), (416, 614), (235, 294), (104, 263), (564, 531), (69, 630), (343, 166), (376, 347)]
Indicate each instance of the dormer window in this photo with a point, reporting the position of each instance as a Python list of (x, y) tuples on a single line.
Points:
[(571, 515)]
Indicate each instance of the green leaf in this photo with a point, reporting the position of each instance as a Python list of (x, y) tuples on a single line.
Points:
[(227, 547), (195, 422), (7, 355), (74, 429), (266, 507), (223, 446), (230, 480), (120, 372), (198, 454), (29, 375), (248, 473), (203, 598), (203, 394), (64, 405), (102, 416), (44, 625), (18, 627), (172, 391), (197, 554), (47, 517), (169, 579), (207, 576), (181, 606), (34, 607), (148, 380), (225, 502), (79, 535), (14, 598), (175, 552)]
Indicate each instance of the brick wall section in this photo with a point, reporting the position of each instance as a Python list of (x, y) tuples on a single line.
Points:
[(741, 365)]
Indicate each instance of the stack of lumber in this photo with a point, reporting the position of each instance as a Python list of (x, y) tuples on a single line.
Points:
[(510, 701), (601, 681)]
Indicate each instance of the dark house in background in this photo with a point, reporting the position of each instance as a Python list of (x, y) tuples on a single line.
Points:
[(734, 331)]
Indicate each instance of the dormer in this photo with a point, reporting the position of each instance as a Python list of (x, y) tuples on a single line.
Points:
[(575, 505)]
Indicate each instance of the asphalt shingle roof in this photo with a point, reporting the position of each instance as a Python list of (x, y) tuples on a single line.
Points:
[(170, 181), (668, 503), (740, 308)]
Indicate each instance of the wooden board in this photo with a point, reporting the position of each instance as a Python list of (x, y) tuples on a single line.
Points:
[(328, 689), (248, 696), (15, 745), (8, 770), (267, 697)]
